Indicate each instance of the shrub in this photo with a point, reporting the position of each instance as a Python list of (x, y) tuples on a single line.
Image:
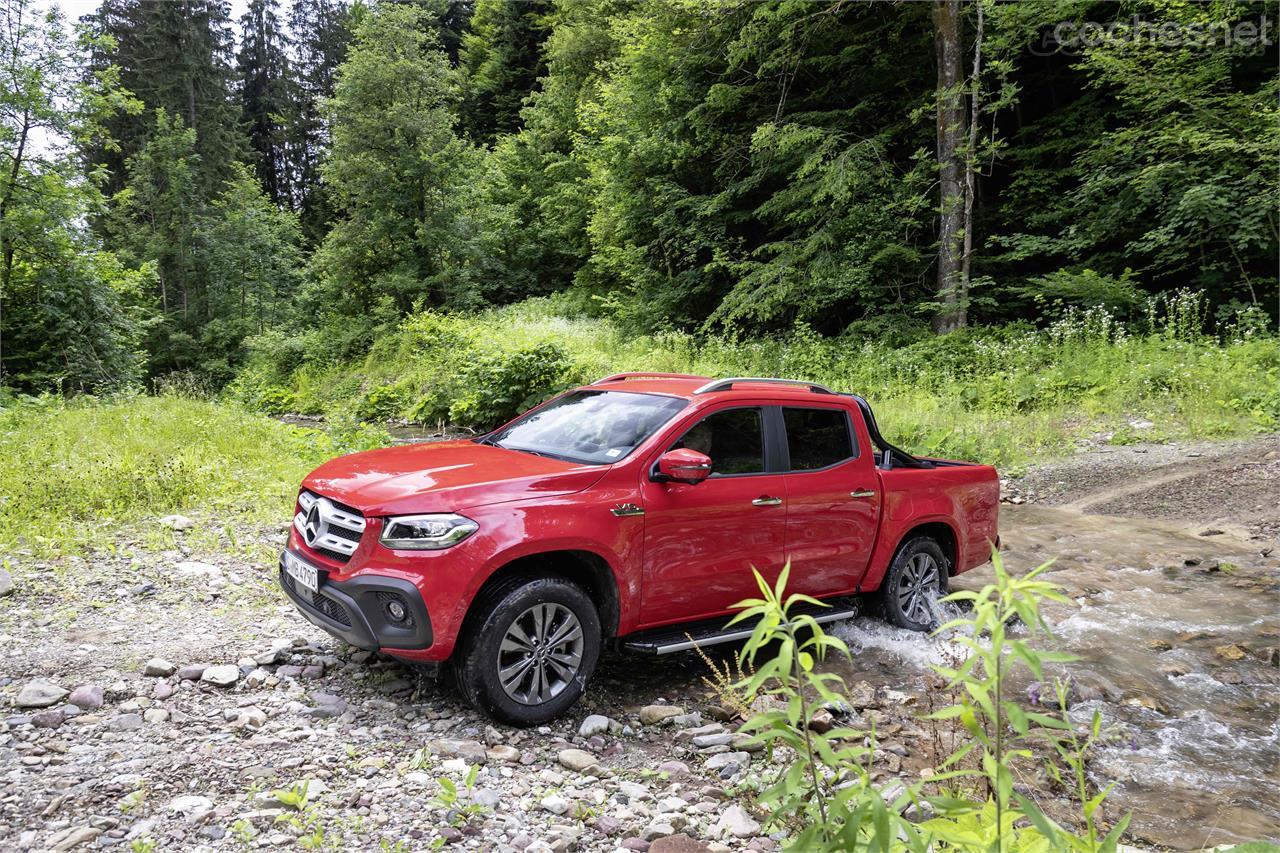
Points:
[(500, 387)]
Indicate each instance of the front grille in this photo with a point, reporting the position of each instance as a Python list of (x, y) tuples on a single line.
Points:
[(328, 527)]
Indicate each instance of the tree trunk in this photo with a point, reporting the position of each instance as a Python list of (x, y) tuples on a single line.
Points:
[(952, 130), (971, 157)]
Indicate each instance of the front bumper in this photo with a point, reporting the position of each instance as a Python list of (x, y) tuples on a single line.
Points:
[(355, 610)]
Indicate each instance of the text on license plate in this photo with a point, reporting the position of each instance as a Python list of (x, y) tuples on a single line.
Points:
[(302, 574)]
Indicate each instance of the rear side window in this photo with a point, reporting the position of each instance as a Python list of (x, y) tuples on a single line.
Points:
[(734, 440), (817, 438)]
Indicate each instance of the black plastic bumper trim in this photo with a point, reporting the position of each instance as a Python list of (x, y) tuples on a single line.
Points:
[(371, 627)]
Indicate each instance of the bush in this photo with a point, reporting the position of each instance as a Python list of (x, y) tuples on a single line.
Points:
[(502, 386)]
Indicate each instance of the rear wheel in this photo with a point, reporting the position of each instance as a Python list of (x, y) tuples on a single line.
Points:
[(916, 579), (530, 651)]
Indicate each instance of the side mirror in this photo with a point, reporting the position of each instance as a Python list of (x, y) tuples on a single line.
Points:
[(684, 466)]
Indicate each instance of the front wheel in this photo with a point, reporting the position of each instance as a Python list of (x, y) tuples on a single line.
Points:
[(530, 652), (916, 579)]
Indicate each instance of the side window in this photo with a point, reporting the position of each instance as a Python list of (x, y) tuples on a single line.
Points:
[(817, 437), (734, 440)]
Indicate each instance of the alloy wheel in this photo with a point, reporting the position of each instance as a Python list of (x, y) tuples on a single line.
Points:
[(917, 587), (540, 653)]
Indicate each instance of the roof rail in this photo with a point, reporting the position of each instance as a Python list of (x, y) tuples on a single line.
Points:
[(726, 384), (621, 377)]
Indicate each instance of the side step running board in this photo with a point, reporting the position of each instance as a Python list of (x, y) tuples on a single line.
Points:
[(712, 632)]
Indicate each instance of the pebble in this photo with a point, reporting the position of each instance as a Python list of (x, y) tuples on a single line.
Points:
[(159, 668), (595, 724), (736, 822), (577, 759), (652, 715), (86, 697), (224, 675), (555, 804), (40, 693)]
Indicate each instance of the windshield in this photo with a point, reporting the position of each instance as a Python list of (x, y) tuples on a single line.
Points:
[(595, 427)]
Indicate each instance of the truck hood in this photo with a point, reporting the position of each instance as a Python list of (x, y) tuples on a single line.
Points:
[(445, 476)]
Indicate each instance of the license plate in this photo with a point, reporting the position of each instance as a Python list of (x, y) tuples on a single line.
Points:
[(301, 573)]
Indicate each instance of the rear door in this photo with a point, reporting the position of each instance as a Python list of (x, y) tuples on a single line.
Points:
[(701, 541), (833, 499)]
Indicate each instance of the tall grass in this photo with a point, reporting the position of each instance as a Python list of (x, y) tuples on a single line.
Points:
[(77, 471), (1006, 395)]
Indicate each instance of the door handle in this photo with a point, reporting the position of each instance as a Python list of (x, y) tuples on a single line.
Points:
[(766, 500), (863, 493)]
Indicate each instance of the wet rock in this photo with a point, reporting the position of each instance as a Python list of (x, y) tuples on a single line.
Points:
[(577, 759), (822, 721), (736, 822), (1149, 702), (159, 668), (86, 697), (652, 715), (224, 675), (1270, 655), (1159, 645), (862, 695), (1231, 651), (40, 693), (681, 843), (596, 724), (177, 522)]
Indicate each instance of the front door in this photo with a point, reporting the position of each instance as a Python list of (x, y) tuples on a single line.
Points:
[(702, 541)]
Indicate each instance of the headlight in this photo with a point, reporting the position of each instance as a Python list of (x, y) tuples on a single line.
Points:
[(426, 532)]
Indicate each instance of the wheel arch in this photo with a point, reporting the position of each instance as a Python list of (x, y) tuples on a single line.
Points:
[(587, 569), (939, 531)]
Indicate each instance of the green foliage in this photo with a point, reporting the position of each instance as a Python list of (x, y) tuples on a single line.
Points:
[(824, 799), (92, 466), (1003, 395)]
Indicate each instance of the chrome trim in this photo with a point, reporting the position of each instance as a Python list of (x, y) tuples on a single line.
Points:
[(317, 515), (863, 493), (726, 384), (626, 510), (732, 636), (766, 500), (461, 529)]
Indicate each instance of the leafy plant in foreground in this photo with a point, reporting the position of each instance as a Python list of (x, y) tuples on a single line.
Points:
[(825, 798)]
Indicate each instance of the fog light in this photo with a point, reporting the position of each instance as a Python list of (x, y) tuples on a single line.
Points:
[(397, 611)]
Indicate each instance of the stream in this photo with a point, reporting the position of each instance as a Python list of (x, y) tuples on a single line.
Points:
[(1177, 636)]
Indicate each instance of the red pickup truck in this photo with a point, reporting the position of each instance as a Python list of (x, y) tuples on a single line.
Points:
[(629, 511)]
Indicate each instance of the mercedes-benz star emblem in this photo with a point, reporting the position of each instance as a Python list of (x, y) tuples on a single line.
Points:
[(314, 526)]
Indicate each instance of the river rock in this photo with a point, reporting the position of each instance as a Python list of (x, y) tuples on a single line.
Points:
[(192, 672), (504, 752), (728, 759), (190, 804), (652, 715), (177, 522), (1231, 651), (86, 697), (125, 723), (223, 675), (736, 822), (49, 719), (6, 583), (40, 693), (159, 668), (681, 843), (555, 804), (471, 751), (596, 724), (674, 769), (72, 837), (656, 830), (577, 759)]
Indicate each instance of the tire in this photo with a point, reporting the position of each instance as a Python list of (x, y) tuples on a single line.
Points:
[(917, 575), (506, 666)]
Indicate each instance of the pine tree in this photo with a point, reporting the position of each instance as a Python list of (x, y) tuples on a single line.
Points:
[(321, 34), (266, 99), (503, 59), (175, 56)]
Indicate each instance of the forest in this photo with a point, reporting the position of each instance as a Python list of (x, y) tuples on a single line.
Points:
[(279, 202)]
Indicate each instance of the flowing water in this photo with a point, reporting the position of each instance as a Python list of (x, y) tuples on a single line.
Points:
[(1177, 637)]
